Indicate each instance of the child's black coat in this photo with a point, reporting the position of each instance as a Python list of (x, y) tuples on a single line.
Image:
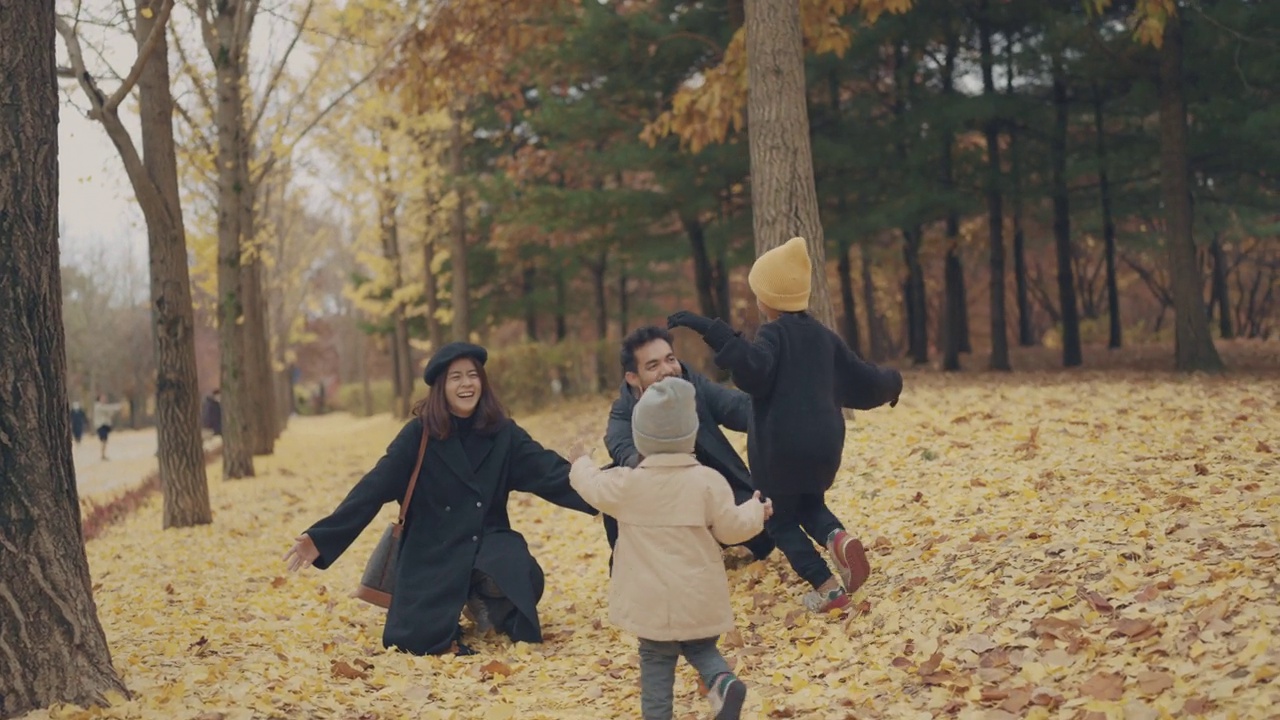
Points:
[(799, 375)]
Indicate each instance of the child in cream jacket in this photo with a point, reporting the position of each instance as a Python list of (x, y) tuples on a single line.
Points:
[(669, 585)]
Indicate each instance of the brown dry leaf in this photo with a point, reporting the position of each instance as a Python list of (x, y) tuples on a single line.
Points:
[(497, 667), (1154, 683), (1201, 469), (341, 669), (279, 581), (1095, 600), (1131, 627), (1104, 686), (1196, 706), (1262, 447), (1018, 699), (931, 665), (1043, 580)]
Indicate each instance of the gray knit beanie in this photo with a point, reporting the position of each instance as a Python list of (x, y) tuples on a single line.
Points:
[(666, 418)]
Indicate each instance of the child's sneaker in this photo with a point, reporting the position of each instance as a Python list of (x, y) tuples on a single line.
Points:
[(827, 598), (850, 558), (727, 694)]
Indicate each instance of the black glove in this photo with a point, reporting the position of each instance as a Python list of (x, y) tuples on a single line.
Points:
[(693, 321), (895, 388)]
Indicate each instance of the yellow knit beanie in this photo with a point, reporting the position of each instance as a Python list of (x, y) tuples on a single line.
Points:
[(780, 277)]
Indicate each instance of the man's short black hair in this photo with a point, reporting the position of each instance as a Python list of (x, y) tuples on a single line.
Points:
[(638, 339)]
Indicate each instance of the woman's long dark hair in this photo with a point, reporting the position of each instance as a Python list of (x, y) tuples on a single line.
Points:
[(434, 408)]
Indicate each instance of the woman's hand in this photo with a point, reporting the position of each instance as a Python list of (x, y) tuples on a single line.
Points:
[(302, 554)]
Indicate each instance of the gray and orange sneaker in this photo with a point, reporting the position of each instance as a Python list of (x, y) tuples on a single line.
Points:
[(828, 598), (727, 695), (850, 558)]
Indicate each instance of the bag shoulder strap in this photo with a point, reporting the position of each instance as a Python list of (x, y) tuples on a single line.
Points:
[(413, 478)]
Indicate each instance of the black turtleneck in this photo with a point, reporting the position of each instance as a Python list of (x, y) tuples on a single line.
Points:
[(472, 443)]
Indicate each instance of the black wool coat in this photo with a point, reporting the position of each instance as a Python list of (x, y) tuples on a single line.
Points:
[(457, 521), (799, 375)]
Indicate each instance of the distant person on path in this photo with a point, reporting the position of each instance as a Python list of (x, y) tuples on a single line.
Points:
[(103, 416), (79, 421), (457, 547), (669, 586), (211, 412), (649, 357), (799, 375)]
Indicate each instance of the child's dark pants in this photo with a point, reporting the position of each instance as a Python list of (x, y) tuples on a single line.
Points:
[(796, 519)]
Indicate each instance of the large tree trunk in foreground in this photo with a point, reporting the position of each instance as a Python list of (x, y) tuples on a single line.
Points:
[(1193, 345), (784, 199), (52, 648)]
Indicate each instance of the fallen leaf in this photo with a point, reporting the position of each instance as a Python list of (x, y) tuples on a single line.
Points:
[(1104, 686), (1095, 600), (341, 669), (1018, 699), (1154, 683), (497, 667), (1201, 469)]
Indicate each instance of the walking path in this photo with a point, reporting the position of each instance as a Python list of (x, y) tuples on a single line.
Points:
[(131, 457)]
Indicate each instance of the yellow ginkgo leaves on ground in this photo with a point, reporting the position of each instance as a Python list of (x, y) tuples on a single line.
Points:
[(1092, 546)]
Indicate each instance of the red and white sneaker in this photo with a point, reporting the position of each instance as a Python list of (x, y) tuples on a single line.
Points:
[(851, 560)]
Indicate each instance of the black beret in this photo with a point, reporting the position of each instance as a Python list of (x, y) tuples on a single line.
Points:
[(447, 354)]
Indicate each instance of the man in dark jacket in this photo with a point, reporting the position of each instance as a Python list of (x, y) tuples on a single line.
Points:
[(647, 357)]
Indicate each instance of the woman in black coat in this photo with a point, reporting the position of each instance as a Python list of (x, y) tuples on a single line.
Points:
[(457, 547)]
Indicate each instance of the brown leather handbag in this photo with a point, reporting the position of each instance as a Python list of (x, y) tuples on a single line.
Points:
[(379, 579)]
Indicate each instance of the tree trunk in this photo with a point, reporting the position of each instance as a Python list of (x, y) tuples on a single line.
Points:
[(431, 292), (913, 288), (366, 389), (1221, 294), (1026, 336), (180, 448), (237, 450), (527, 278), (995, 212), (1193, 345), (914, 298), (875, 324), (623, 320), (52, 648), (562, 325), (849, 316), (389, 231), (954, 322), (722, 285), (599, 268), (703, 272), (1071, 352), (257, 348), (458, 254), (783, 196), (1114, 339)]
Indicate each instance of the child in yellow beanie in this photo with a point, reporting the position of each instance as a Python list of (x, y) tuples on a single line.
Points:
[(799, 375)]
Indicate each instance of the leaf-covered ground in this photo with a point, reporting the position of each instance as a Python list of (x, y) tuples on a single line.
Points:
[(1099, 546)]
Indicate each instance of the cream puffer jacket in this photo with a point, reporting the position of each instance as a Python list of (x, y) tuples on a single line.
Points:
[(668, 572)]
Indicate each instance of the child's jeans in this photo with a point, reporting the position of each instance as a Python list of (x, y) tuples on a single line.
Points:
[(658, 671), (794, 516)]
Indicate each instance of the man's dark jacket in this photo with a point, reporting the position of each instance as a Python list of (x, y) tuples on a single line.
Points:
[(718, 406)]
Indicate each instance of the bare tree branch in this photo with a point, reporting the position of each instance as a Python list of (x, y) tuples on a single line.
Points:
[(144, 54), (279, 71), (189, 68), (196, 133), (76, 55)]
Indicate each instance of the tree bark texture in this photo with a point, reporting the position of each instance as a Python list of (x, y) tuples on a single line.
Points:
[(228, 57), (784, 198), (52, 648), (1114, 335), (1071, 353), (954, 321), (1193, 345), (183, 479), (1026, 336), (848, 306), (995, 211), (257, 346), (876, 335), (1221, 293)]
